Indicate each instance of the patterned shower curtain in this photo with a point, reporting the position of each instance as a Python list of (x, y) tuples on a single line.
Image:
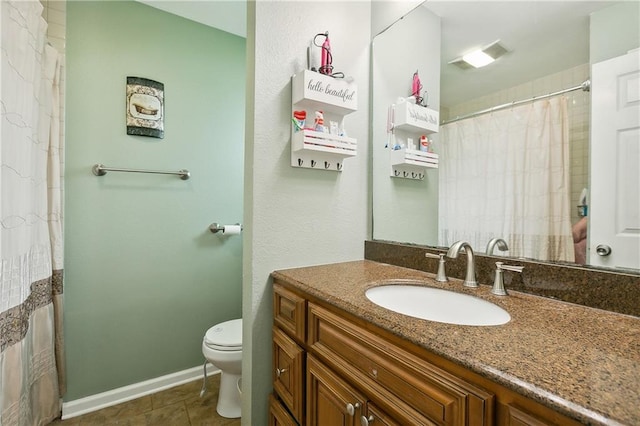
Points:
[(506, 175), (31, 358)]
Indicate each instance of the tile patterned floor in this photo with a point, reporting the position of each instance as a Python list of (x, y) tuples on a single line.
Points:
[(178, 406)]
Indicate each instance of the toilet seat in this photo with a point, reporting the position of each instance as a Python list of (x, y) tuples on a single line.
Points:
[(226, 336)]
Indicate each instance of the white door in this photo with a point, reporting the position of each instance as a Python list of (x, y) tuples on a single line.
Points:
[(614, 211)]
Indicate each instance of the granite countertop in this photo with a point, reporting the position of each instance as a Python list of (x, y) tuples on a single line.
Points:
[(582, 362)]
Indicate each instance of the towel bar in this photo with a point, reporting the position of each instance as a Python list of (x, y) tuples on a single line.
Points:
[(101, 170)]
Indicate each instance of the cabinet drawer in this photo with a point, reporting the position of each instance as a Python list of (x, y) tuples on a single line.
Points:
[(330, 400), (402, 384), (288, 372), (534, 416), (278, 415), (289, 311), (376, 417)]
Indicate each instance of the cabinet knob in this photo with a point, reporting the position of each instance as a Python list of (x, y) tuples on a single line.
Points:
[(280, 371), (366, 421), (351, 408)]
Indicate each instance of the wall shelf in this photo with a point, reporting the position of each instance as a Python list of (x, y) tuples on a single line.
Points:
[(411, 164), (311, 92), (311, 149), (415, 118), (408, 122)]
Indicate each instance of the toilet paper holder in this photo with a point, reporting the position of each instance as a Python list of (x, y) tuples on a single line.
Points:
[(216, 227)]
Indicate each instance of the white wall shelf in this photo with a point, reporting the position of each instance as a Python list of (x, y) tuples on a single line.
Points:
[(311, 92), (410, 122), (415, 118), (318, 150), (411, 164)]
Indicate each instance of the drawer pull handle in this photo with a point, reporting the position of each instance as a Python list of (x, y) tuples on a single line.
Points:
[(280, 371), (351, 408), (366, 421)]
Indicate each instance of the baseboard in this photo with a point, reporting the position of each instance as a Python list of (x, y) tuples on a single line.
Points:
[(136, 390)]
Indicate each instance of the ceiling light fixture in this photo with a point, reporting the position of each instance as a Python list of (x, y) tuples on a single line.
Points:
[(480, 57), (477, 58)]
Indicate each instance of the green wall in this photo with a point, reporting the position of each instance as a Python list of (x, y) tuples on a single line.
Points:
[(144, 278)]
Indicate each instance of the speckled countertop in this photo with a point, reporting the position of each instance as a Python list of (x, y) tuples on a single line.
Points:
[(580, 361)]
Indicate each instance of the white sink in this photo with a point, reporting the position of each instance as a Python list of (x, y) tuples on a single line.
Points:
[(438, 305)]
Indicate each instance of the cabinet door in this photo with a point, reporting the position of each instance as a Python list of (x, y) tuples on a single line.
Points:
[(330, 400), (374, 416), (288, 372), (278, 415)]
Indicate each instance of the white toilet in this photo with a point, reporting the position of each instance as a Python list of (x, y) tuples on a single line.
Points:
[(222, 347)]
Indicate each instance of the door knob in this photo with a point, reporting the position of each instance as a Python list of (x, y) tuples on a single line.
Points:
[(280, 371), (603, 250)]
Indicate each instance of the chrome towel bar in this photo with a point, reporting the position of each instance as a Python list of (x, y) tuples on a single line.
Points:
[(101, 170)]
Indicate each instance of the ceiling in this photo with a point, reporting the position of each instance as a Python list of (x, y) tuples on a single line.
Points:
[(226, 15), (542, 37)]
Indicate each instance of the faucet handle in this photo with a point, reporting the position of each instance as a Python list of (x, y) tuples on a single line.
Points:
[(441, 276), (498, 283)]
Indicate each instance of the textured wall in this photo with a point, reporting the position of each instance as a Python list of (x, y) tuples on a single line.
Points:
[(296, 216), (144, 277)]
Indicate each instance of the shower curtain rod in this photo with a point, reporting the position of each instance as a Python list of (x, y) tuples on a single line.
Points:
[(585, 87)]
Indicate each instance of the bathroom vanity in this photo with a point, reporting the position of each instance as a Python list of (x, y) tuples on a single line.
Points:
[(340, 359)]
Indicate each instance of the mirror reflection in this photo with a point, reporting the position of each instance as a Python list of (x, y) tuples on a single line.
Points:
[(519, 172)]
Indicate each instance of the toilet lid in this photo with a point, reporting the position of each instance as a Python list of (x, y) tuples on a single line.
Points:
[(226, 336)]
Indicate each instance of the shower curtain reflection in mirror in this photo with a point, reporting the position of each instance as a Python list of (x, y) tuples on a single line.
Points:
[(31, 359), (506, 174)]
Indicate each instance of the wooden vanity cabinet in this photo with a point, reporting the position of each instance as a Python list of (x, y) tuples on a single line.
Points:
[(331, 368), (406, 387), (289, 356)]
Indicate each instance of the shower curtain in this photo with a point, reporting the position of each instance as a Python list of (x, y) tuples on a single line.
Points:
[(31, 358), (506, 174)]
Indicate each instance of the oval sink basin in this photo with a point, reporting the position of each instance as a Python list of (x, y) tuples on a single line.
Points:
[(438, 305)]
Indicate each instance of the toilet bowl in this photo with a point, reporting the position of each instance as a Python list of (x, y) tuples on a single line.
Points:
[(222, 347)]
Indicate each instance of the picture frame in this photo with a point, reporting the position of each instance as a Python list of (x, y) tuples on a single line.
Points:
[(145, 107)]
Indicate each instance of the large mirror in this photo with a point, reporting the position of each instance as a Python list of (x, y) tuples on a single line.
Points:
[(550, 47)]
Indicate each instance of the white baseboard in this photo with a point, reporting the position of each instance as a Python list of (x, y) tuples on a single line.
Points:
[(136, 390)]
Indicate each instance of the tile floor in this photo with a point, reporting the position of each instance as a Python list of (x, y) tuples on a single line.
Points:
[(178, 406)]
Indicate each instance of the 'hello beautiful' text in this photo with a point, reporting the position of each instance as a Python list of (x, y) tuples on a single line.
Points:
[(344, 94), (422, 116)]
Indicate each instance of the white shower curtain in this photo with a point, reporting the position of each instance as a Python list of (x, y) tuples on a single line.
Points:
[(506, 174), (31, 361)]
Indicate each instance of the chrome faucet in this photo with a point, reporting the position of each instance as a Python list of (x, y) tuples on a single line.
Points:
[(454, 250), (502, 245)]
